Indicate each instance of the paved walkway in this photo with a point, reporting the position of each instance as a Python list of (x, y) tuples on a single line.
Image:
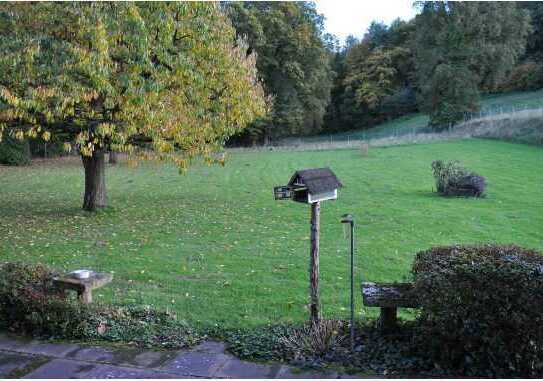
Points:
[(21, 358)]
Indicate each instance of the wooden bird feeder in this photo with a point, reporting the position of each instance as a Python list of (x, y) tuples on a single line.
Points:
[(311, 186)]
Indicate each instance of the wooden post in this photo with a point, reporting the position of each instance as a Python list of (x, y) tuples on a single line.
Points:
[(314, 263), (387, 320)]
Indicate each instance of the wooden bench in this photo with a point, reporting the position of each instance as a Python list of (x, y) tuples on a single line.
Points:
[(389, 297), (83, 287)]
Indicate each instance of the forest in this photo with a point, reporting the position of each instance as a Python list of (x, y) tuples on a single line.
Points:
[(441, 63)]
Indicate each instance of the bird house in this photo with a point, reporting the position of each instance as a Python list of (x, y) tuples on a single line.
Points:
[(309, 186)]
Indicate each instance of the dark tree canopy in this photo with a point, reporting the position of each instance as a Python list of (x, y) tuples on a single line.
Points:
[(292, 60), (461, 48)]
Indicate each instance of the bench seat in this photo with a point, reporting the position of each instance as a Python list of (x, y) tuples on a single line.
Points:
[(389, 297)]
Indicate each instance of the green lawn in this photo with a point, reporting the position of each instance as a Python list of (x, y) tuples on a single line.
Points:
[(215, 247)]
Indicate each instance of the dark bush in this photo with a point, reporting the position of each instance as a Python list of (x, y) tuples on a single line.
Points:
[(482, 309), (30, 304), (52, 148), (14, 152), (454, 180)]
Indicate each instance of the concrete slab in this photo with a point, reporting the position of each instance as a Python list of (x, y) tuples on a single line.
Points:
[(95, 354), (198, 364), (48, 349), (61, 368), (9, 343), (293, 373), (110, 371), (13, 365), (211, 347), (235, 368), (151, 359)]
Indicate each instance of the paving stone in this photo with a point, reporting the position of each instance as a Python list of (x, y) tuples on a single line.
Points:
[(198, 364), (9, 343), (61, 368), (151, 358), (48, 349), (211, 347), (93, 354), (235, 368), (288, 372), (12, 362), (110, 371)]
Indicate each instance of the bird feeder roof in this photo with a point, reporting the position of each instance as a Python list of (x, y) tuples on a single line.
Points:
[(317, 180)]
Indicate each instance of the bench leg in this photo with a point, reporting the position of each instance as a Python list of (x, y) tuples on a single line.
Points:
[(85, 296), (387, 320)]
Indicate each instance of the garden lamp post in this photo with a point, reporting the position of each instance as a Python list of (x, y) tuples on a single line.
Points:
[(349, 219)]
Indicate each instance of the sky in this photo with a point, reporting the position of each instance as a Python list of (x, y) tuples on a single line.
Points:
[(344, 17)]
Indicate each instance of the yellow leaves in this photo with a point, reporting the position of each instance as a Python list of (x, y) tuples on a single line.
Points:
[(46, 136), (67, 147), (19, 135), (86, 150), (8, 97)]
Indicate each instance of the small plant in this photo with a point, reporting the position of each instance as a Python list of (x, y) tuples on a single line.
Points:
[(454, 180), (315, 339)]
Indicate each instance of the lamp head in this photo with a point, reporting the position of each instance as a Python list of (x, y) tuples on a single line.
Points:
[(347, 219)]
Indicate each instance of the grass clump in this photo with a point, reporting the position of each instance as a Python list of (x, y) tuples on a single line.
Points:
[(482, 309), (315, 339)]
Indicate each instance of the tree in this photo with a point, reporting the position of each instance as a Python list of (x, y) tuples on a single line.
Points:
[(170, 77), (292, 61), (472, 45), (373, 78)]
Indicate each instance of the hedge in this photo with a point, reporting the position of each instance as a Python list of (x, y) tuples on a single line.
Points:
[(482, 309)]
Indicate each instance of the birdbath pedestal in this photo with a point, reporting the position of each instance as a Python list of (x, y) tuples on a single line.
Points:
[(83, 287)]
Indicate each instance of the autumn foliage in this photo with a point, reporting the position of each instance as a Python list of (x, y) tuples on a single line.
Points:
[(167, 76)]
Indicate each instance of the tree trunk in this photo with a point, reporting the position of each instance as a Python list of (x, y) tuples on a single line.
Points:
[(314, 263), (95, 181), (112, 157)]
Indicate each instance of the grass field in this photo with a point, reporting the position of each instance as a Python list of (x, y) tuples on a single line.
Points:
[(216, 248)]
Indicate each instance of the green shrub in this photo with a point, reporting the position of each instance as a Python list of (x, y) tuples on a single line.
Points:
[(14, 152), (455, 180), (482, 309), (30, 304)]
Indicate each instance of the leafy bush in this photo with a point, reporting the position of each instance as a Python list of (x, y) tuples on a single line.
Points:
[(482, 309), (14, 152), (30, 304), (454, 180)]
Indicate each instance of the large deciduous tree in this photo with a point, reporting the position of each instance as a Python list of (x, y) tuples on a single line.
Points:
[(170, 77), (292, 61), (461, 48)]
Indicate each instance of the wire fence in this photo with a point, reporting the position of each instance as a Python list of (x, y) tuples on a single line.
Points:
[(410, 127)]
